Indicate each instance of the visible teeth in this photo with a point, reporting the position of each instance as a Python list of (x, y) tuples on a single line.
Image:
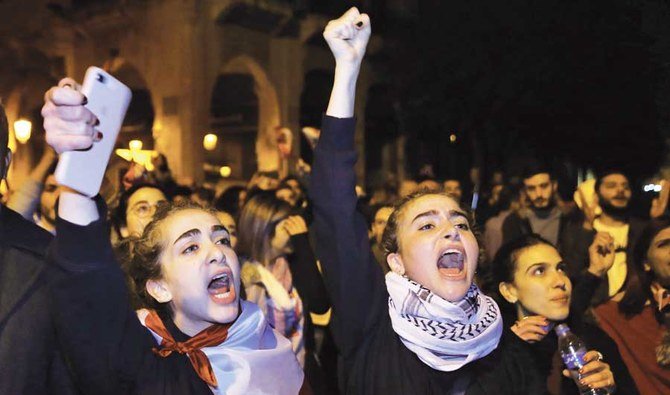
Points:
[(451, 251), (221, 296), (219, 276)]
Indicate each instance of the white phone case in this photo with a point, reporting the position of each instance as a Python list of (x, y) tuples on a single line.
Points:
[(108, 100)]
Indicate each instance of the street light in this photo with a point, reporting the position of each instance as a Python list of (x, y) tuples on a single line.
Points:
[(22, 128), (135, 145), (225, 171), (209, 142)]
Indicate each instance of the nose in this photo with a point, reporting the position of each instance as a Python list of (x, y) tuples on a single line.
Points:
[(560, 280), (451, 232), (216, 255)]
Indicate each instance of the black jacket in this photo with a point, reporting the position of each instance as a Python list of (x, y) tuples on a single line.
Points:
[(30, 358), (373, 358), (109, 350)]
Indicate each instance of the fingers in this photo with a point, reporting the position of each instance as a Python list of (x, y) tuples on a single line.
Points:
[(596, 374), (294, 225), (604, 241), (531, 329), (362, 23), (350, 25), (68, 124)]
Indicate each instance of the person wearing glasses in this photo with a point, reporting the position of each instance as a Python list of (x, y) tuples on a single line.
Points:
[(136, 208)]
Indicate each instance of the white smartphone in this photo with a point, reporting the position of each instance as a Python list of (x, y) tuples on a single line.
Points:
[(108, 100)]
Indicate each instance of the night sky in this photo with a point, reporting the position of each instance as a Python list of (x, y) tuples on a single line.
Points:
[(576, 83)]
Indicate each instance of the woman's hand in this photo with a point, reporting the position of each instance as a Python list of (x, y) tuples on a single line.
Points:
[(532, 328), (595, 373), (68, 124), (347, 37), (294, 225)]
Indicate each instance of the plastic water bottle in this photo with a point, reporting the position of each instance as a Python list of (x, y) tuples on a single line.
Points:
[(572, 350)]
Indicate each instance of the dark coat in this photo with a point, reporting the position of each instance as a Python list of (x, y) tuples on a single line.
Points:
[(109, 349), (30, 360), (373, 358)]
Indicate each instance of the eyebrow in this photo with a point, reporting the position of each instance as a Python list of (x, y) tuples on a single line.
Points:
[(433, 213), (219, 228), (536, 264), (188, 233), (140, 202), (543, 264)]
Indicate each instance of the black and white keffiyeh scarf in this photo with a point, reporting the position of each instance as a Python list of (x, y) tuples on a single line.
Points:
[(444, 335)]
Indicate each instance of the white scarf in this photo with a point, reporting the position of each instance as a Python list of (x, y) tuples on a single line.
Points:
[(254, 359), (444, 335)]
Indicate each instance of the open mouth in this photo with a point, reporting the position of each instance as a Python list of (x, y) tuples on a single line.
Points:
[(221, 288), (452, 262)]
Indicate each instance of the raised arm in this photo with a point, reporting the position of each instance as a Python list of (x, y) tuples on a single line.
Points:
[(100, 333), (353, 279)]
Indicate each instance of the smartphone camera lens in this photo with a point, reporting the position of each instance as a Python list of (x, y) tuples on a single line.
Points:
[(101, 78)]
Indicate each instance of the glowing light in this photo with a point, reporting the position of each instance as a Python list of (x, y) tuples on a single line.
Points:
[(142, 157), (653, 187), (135, 145), (22, 128), (209, 142), (225, 171), (452, 138)]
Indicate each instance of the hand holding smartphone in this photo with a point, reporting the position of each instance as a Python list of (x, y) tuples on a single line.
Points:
[(108, 100)]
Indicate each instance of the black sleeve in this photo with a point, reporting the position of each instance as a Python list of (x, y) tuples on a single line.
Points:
[(584, 287), (306, 276), (353, 278), (100, 334)]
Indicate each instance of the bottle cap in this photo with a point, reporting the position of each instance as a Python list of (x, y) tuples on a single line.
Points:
[(561, 329)]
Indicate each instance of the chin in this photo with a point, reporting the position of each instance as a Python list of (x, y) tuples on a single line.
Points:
[(227, 314), (453, 292), (558, 315)]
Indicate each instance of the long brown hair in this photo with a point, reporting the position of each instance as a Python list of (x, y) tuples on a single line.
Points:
[(637, 288), (256, 225)]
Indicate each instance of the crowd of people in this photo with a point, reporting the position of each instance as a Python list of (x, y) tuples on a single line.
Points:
[(304, 285)]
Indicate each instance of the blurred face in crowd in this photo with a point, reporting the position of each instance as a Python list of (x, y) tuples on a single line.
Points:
[(287, 195), (614, 193), (196, 198), (453, 189), (436, 246), (379, 223), (429, 185), (658, 258), (407, 187), (540, 286), (200, 271), (48, 199), (297, 189), (141, 208), (540, 190), (228, 221)]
